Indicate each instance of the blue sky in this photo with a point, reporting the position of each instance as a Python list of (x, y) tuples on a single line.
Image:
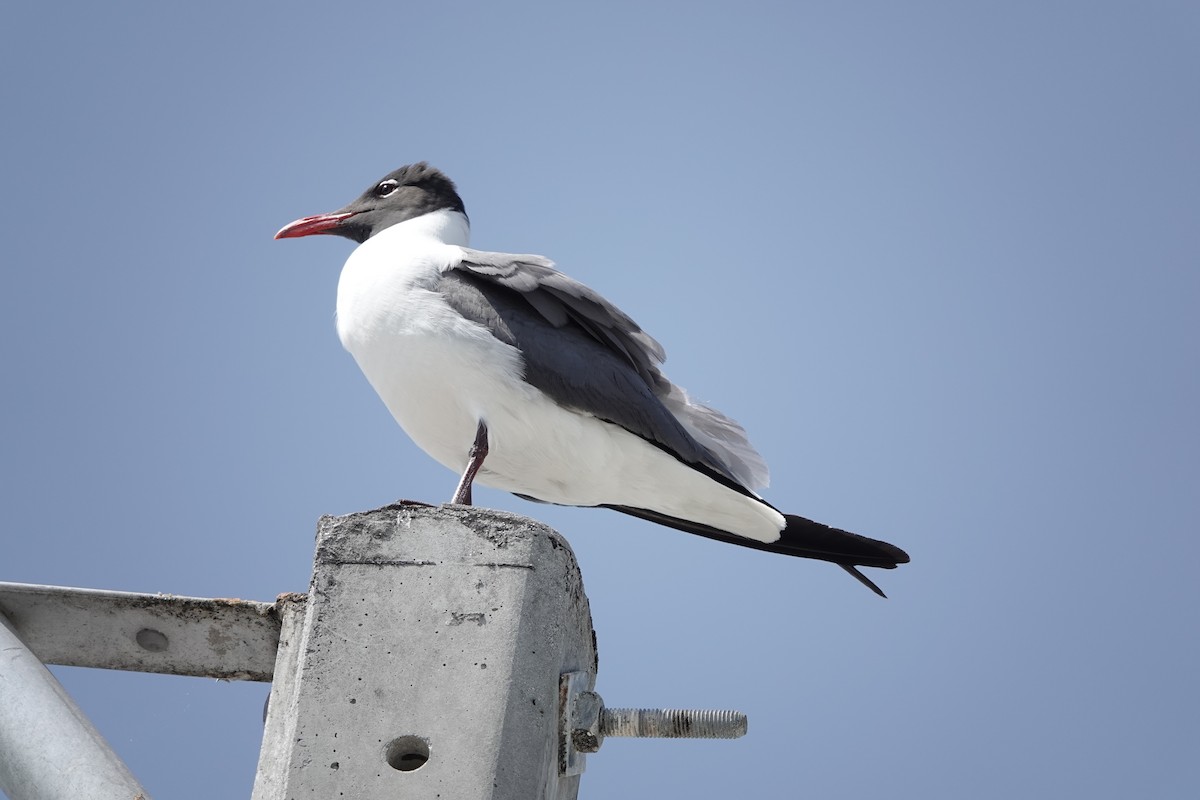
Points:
[(941, 260)]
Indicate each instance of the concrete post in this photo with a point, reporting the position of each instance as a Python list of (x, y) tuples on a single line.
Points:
[(428, 661)]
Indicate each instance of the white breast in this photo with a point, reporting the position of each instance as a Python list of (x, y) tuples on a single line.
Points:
[(440, 374), (428, 364)]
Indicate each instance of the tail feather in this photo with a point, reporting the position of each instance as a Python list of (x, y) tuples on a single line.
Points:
[(803, 538)]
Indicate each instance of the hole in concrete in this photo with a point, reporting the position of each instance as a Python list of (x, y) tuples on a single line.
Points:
[(407, 753), (151, 640)]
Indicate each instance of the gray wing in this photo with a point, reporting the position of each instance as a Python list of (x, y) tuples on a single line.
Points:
[(587, 354)]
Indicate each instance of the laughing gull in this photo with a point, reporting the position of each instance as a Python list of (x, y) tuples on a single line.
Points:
[(501, 367)]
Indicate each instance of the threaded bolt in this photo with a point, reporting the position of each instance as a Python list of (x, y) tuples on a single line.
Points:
[(670, 723), (584, 722)]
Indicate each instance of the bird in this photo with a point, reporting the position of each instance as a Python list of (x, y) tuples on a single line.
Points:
[(504, 369)]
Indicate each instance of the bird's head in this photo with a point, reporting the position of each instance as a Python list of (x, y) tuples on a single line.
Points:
[(402, 194)]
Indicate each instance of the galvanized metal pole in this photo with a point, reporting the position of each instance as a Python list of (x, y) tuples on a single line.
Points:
[(48, 748), (427, 662)]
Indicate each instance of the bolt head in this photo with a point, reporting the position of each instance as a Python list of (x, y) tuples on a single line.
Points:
[(585, 741)]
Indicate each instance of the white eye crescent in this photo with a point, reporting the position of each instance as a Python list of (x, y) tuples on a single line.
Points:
[(387, 188)]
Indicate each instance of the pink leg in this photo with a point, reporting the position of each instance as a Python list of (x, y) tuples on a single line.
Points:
[(479, 451)]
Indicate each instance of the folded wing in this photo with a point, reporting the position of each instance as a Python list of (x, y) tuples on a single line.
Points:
[(587, 354)]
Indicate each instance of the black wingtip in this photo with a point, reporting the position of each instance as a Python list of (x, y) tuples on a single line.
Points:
[(803, 538), (810, 539), (864, 580)]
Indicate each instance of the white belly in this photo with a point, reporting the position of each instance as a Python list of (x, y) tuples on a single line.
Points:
[(440, 375)]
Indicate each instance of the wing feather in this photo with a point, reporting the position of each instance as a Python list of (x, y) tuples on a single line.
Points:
[(588, 354)]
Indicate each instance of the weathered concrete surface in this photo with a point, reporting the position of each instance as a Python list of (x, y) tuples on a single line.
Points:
[(428, 629)]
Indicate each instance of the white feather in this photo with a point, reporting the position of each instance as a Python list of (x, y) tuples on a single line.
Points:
[(439, 374)]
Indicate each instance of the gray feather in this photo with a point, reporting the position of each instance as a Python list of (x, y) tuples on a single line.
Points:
[(588, 355)]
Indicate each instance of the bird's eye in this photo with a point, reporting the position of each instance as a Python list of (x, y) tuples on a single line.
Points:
[(386, 188)]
